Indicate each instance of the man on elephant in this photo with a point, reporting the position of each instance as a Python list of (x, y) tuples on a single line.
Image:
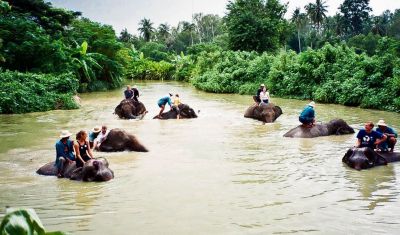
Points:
[(101, 137), (93, 135), (307, 116), (162, 102), (391, 136), (128, 92), (64, 151), (368, 137)]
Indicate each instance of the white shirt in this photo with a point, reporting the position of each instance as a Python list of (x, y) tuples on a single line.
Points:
[(101, 137)]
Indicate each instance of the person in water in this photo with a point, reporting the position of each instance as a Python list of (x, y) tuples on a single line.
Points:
[(307, 116), (64, 152), (391, 135), (368, 137), (162, 102), (175, 105), (82, 149), (93, 135)]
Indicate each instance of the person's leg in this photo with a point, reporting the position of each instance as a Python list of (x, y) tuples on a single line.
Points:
[(178, 116), (60, 167), (391, 143), (161, 111)]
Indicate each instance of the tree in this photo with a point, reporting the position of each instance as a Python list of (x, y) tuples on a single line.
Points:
[(255, 25), (146, 29), (125, 36), (316, 12), (299, 19), (355, 13), (163, 32)]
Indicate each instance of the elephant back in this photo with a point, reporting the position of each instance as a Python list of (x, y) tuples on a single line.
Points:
[(264, 112)]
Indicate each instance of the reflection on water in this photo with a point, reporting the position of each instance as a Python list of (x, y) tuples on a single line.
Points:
[(220, 173)]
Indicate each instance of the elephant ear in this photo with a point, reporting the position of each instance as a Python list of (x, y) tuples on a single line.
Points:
[(347, 155), (77, 174)]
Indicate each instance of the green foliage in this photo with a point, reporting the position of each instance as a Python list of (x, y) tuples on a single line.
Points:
[(145, 69), (27, 92), (354, 13), (255, 25), (23, 222), (155, 51)]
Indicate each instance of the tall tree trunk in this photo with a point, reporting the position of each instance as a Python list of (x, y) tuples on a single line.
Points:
[(298, 38)]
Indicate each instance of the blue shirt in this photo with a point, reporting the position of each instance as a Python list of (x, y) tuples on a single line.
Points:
[(164, 101), (93, 136), (308, 113), (368, 139), (387, 131), (128, 94), (64, 150)]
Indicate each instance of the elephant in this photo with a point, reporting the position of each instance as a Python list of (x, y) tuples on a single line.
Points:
[(363, 158), (120, 140), (334, 127), (185, 113), (264, 112), (130, 109), (93, 170)]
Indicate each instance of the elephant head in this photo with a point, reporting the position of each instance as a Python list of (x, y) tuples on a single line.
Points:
[(334, 127), (130, 109), (93, 170), (264, 112), (120, 140), (339, 127), (363, 158), (185, 113)]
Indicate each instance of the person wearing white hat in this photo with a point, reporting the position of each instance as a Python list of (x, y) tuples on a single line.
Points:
[(307, 116), (64, 151), (93, 135), (257, 97), (391, 136), (162, 102), (368, 137)]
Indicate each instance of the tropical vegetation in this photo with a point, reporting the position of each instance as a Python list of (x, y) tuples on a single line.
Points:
[(350, 58)]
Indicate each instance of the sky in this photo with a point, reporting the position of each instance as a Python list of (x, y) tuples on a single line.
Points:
[(127, 13)]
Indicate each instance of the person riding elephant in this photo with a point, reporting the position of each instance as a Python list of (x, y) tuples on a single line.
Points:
[(368, 137), (96, 169), (185, 112), (264, 112), (120, 140), (257, 98), (130, 109), (391, 134), (334, 127), (162, 102), (307, 116), (64, 152)]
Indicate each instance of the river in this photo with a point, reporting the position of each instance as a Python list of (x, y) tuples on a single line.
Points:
[(218, 174)]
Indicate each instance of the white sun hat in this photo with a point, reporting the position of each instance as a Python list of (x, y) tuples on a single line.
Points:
[(312, 104), (381, 123), (65, 134)]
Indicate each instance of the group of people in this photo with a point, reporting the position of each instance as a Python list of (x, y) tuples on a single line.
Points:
[(383, 138), (80, 150), (133, 93)]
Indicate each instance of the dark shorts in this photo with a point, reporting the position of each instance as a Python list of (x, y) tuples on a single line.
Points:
[(305, 121), (79, 163)]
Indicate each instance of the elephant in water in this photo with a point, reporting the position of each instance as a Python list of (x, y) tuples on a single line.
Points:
[(93, 170), (120, 140), (130, 109), (185, 112), (334, 127), (264, 112), (364, 158)]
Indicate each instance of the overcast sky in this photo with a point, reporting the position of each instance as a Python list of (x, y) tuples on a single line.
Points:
[(127, 13)]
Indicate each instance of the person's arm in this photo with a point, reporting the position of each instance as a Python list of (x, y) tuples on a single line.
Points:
[(380, 140), (89, 150), (77, 153), (267, 95), (358, 143)]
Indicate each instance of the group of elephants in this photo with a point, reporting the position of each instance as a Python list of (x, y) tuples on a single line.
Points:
[(120, 140)]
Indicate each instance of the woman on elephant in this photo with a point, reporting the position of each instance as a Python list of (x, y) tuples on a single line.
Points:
[(264, 95), (162, 102), (64, 151), (257, 98), (82, 149), (307, 116)]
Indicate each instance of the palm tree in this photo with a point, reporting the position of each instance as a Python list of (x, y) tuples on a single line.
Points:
[(188, 27), (146, 29), (125, 36), (299, 19), (164, 32), (316, 12)]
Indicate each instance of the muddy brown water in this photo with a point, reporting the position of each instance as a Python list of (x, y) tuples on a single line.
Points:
[(218, 174)]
